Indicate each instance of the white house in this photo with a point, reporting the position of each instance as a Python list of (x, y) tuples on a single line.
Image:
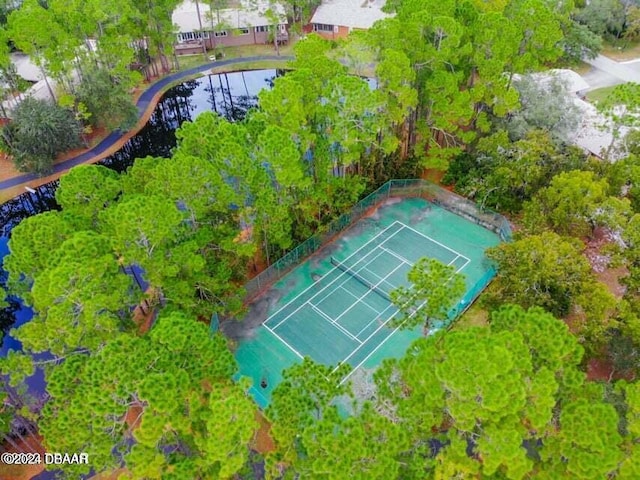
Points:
[(244, 23), (337, 18)]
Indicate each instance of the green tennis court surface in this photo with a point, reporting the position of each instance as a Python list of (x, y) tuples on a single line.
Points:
[(335, 307)]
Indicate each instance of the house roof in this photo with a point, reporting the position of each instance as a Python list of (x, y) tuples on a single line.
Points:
[(243, 14), (350, 13), (572, 80), (595, 133)]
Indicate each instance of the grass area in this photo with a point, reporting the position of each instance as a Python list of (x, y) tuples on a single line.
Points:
[(476, 316), (253, 50), (263, 65), (190, 61), (580, 68), (599, 95), (622, 50)]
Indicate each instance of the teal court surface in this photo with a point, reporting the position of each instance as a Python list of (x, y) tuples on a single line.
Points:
[(350, 304), (335, 307)]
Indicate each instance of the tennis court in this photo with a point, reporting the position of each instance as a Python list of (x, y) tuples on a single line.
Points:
[(334, 305), (350, 304)]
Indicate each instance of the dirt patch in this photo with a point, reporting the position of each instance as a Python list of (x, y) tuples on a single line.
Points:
[(599, 369), (262, 442), (133, 417), (611, 278), (434, 175), (23, 472), (600, 260)]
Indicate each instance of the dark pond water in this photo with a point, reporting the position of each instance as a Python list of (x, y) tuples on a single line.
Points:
[(230, 95)]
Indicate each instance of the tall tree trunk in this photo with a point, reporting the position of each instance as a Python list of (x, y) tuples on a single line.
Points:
[(204, 44), (4, 114), (46, 81)]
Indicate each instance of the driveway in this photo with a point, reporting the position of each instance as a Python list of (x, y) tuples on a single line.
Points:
[(606, 72)]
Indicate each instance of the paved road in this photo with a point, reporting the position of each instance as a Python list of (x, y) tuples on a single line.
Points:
[(606, 72), (143, 104)]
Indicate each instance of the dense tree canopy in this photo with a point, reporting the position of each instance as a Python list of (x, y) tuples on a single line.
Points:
[(166, 400), (575, 203), (505, 400), (543, 270)]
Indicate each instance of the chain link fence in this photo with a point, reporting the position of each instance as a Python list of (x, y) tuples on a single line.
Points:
[(393, 188)]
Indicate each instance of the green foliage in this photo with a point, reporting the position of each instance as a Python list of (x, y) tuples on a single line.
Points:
[(32, 245), (304, 396), (483, 389), (38, 132), (17, 366), (579, 42), (81, 300), (632, 24), (142, 227), (603, 17), (546, 106), (623, 177), (464, 57), (86, 190), (542, 270), (107, 99), (159, 381), (504, 174), (575, 203), (435, 289), (363, 447), (622, 108), (539, 327), (588, 443)]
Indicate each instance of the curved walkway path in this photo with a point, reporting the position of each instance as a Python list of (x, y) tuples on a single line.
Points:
[(146, 103)]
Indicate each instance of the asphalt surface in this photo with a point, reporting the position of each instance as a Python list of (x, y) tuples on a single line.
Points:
[(142, 104), (606, 72)]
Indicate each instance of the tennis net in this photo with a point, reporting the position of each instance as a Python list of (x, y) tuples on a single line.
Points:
[(371, 286)]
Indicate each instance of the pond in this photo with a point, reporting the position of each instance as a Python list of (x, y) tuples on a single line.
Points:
[(230, 95)]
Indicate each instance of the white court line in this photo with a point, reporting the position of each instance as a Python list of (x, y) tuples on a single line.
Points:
[(332, 322), (321, 291), (349, 277), (376, 319), (453, 261), (399, 257), (432, 240), (370, 290), (465, 264), (390, 335), (362, 301), (384, 323), (313, 285), (282, 340), (377, 346), (392, 285)]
